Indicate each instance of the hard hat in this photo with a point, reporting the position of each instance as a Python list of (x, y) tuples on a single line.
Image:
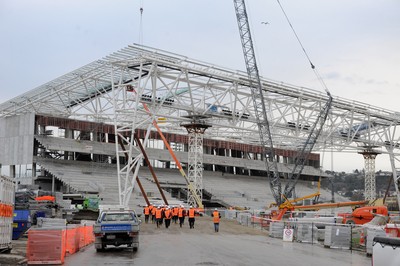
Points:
[(191, 206), (215, 208)]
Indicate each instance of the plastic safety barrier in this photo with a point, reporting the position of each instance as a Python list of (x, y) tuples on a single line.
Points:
[(50, 246), (46, 246)]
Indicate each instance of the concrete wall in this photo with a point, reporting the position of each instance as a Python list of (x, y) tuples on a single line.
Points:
[(16, 139)]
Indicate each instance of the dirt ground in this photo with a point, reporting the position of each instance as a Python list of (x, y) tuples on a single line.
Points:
[(234, 244), (203, 225), (17, 256)]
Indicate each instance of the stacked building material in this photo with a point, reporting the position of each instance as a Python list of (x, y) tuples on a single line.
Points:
[(276, 229), (337, 237), (307, 233)]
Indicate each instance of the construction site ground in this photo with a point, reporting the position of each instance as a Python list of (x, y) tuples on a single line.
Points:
[(234, 244)]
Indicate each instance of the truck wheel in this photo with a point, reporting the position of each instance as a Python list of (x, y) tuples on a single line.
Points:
[(350, 222), (135, 249), (103, 247)]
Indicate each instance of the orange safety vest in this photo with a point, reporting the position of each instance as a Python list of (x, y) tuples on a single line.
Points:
[(167, 214), (181, 212), (191, 213), (153, 211), (158, 213), (216, 217), (175, 211), (146, 210)]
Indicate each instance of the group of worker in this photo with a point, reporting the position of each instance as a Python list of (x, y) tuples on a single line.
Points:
[(166, 213)]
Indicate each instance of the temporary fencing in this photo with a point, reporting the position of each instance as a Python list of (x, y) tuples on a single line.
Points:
[(50, 245), (330, 235)]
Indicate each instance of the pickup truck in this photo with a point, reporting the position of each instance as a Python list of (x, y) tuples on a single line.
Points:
[(116, 227)]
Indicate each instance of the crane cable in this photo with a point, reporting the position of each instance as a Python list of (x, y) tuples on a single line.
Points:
[(320, 79)]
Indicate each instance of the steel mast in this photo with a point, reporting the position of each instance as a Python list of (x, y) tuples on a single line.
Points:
[(257, 95)]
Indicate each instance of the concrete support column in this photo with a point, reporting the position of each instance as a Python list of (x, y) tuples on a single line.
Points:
[(69, 134), (12, 171)]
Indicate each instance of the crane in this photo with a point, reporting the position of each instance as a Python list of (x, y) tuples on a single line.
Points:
[(302, 155), (258, 100), (262, 118)]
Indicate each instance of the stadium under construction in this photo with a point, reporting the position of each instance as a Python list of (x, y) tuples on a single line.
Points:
[(142, 113)]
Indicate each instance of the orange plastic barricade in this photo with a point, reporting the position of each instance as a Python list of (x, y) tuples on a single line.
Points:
[(89, 237), (72, 240), (46, 246)]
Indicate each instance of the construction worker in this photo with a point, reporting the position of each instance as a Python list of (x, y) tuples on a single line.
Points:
[(153, 215), (181, 215), (175, 212), (151, 207), (146, 212), (216, 218), (159, 216), (191, 214), (163, 207), (168, 216)]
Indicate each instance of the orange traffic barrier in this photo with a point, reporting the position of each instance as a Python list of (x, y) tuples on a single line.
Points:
[(49, 246), (89, 234), (72, 241), (46, 246), (81, 237)]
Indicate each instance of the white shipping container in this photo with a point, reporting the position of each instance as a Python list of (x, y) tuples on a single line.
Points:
[(7, 190)]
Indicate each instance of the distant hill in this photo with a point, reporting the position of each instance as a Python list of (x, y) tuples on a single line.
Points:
[(351, 185)]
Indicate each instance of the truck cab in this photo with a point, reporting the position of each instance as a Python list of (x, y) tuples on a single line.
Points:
[(116, 227)]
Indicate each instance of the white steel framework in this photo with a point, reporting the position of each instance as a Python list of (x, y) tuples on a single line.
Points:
[(195, 131), (112, 90), (369, 167)]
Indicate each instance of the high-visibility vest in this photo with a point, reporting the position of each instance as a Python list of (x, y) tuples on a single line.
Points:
[(146, 210), (181, 212), (158, 213), (153, 211), (216, 217), (175, 211), (167, 214), (191, 213)]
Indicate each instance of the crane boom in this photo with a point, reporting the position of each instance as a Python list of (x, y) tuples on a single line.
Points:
[(258, 100), (302, 155)]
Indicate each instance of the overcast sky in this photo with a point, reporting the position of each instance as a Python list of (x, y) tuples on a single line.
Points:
[(354, 44)]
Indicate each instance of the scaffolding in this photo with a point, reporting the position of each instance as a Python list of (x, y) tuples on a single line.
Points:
[(195, 131)]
